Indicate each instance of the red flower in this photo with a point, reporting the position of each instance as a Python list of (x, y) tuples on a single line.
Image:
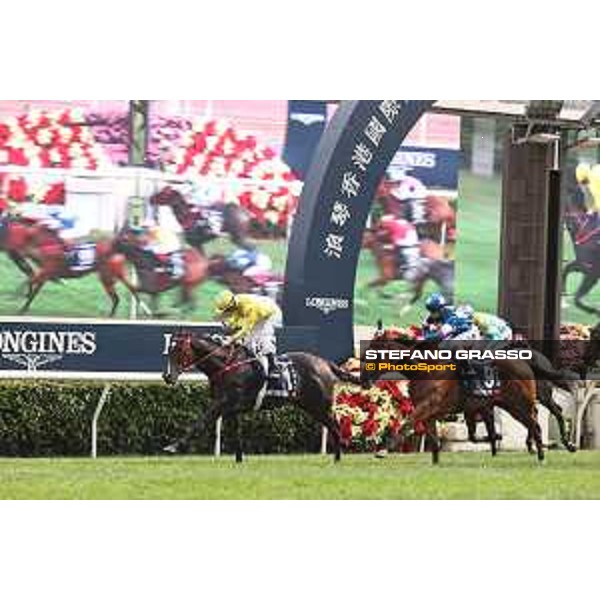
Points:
[(4, 134), (406, 406), (17, 190), (369, 427), (346, 428), (56, 194), (420, 427), (16, 156)]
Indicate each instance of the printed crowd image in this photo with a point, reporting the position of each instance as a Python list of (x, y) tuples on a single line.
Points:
[(205, 276)]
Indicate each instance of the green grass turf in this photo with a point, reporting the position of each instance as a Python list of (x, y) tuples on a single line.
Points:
[(476, 272), (459, 476)]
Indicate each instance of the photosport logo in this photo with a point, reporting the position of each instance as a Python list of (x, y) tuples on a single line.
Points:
[(327, 305), (35, 349)]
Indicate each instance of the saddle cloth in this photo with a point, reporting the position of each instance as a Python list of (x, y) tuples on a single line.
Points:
[(480, 378), (280, 385), (82, 256)]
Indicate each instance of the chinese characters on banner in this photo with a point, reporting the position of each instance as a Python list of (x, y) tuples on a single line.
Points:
[(370, 138)]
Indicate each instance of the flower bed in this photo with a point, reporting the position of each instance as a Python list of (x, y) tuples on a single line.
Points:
[(45, 139), (214, 149), (368, 418)]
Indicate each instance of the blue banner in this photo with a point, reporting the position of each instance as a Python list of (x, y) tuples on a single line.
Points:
[(82, 347), (306, 122), (435, 167)]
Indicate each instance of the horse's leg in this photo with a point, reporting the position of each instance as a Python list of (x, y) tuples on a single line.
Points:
[(589, 281), (334, 430), (528, 418), (471, 423), (25, 268), (37, 282), (213, 412), (490, 425), (434, 440), (108, 283), (546, 399), (233, 418)]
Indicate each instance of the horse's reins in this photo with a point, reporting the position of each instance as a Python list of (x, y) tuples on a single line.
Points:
[(228, 366)]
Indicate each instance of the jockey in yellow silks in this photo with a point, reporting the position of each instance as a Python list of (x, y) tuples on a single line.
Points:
[(253, 320), (588, 177)]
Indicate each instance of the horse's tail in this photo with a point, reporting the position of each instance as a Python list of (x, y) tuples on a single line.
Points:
[(543, 369), (345, 376)]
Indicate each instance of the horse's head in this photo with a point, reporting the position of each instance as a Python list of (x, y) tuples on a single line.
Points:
[(165, 197), (187, 351)]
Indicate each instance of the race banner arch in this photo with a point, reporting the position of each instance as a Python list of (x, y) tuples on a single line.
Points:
[(325, 242)]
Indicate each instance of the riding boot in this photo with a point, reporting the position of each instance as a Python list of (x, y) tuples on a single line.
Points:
[(272, 366)]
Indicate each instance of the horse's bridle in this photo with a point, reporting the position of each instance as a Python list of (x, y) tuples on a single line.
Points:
[(226, 368)]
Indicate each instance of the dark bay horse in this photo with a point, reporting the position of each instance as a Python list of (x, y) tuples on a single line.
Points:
[(153, 278), (236, 378), (203, 224), (584, 231)]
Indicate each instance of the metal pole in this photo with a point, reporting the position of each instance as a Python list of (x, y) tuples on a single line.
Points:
[(218, 430), (103, 398)]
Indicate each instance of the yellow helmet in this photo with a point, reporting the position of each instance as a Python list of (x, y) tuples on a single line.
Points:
[(582, 173), (225, 301)]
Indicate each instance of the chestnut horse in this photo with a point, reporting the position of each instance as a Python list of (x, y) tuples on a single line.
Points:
[(440, 213), (15, 237), (270, 284), (47, 251), (203, 224), (441, 398), (433, 266)]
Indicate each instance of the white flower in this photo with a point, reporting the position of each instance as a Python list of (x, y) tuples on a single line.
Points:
[(43, 137), (199, 124), (260, 199), (30, 150), (3, 156), (272, 216), (211, 142), (55, 156), (34, 116), (221, 126), (77, 115)]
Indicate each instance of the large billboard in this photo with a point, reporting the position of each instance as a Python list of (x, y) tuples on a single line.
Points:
[(87, 231)]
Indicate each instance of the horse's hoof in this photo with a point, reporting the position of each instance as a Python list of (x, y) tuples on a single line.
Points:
[(171, 449), (571, 447), (381, 454)]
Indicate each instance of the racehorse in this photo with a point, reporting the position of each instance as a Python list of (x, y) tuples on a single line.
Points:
[(585, 235), (439, 212), (47, 251), (451, 397), (236, 378), (154, 277), (267, 284), (432, 266), (15, 236), (203, 224)]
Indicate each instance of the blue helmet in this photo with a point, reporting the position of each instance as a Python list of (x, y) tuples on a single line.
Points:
[(436, 301)]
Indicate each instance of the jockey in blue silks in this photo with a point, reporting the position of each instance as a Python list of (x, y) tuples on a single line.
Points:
[(446, 321)]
